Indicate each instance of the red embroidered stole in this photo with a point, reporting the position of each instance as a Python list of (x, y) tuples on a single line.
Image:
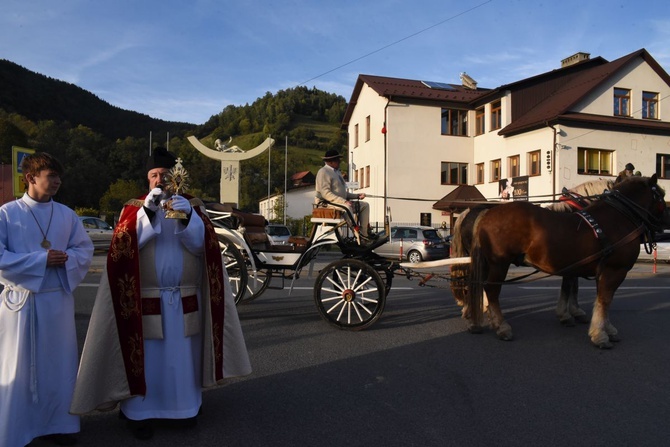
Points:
[(123, 273)]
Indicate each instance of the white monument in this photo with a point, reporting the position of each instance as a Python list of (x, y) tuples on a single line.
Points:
[(230, 157)]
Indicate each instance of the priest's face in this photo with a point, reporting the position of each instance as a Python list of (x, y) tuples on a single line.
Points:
[(156, 177), (44, 185)]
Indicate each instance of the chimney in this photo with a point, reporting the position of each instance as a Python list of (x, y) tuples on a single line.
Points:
[(468, 82), (575, 58)]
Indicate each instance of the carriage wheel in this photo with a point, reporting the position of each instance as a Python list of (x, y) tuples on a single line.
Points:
[(255, 287), (349, 294), (235, 265)]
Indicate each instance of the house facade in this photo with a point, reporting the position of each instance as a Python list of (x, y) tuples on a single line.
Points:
[(412, 142)]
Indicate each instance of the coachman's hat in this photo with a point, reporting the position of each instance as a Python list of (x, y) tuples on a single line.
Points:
[(331, 154), (630, 167), (161, 158)]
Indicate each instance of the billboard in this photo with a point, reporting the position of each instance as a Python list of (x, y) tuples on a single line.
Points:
[(17, 157)]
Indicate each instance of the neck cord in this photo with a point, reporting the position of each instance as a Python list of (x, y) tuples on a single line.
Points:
[(45, 242)]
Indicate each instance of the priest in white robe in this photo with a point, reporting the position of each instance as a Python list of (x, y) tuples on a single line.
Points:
[(44, 254), (164, 325)]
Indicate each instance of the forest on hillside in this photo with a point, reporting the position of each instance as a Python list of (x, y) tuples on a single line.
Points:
[(103, 171)]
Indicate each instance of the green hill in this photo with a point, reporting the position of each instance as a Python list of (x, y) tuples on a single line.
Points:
[(104, 147)]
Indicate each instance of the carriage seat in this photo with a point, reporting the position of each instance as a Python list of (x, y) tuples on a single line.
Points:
[(327, 215)]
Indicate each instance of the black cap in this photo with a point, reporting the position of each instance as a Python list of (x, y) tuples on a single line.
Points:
[(161, 158), (331, 154), (630, 167)]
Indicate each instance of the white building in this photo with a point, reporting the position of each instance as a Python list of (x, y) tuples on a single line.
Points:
[(299, 198), (413, 142)]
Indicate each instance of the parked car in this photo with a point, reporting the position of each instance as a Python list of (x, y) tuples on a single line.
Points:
[(278, 234), (416, 244), (98, 230)]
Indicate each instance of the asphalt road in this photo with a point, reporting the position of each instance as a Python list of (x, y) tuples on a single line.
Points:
[(417, 378)]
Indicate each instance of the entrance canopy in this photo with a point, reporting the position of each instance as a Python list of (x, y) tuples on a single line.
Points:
[(462, 197)]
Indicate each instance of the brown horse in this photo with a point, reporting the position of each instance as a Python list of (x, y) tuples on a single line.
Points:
[(567, 308), (602, 242)]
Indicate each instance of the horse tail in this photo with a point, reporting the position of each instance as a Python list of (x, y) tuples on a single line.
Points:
[(478, 275), (459, 272)]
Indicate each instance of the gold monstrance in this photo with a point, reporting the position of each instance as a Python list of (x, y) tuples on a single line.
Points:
[(177, 183)]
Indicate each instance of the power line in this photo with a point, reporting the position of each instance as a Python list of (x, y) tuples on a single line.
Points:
[(396, 42)]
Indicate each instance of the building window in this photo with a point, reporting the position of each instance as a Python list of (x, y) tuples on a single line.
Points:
[(480, 123), (594, 161), (495, 170), (454, 173), (479, 167), (454, 122), (367, 128), (496, 116), (513, 168), (534, 163), (361, 178), (621, 102), (356, 135), (663, 165), (650, 105), (367, 176)]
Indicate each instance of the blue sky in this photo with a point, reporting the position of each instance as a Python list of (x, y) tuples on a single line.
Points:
[(187, 60)]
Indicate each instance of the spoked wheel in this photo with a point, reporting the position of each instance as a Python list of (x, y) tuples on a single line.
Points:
[(233, 261), (256, 286), (349, 294)]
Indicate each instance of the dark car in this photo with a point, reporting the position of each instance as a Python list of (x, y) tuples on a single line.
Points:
[(414, 244), (98, 230)]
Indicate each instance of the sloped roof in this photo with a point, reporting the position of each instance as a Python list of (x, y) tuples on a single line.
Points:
[(463, 196), (300, 175), (558, 104), (536, 101), (409, 89)]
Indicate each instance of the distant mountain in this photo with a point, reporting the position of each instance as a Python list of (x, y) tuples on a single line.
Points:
[(38, 98)]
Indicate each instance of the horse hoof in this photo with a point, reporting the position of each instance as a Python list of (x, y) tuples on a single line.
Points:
[(614, 338), (583, 319), (474, 329), (505, 337), (604, 345)]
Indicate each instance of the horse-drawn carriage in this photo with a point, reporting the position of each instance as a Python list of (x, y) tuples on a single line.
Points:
[(350, 293)]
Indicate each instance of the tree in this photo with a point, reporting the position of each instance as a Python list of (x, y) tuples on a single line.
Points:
[(118, 193)]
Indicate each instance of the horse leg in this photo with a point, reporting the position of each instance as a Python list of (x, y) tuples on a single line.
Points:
[(496, 277), (567, 309), (601, 331), (563, 305), (573, 304)]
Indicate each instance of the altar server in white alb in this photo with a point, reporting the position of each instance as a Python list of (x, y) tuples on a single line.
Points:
[(44, 255), (164, 324)]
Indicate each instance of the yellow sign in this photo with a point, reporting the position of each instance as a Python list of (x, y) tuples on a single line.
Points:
[(17, 157)]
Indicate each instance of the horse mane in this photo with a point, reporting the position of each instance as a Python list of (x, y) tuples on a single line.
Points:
[(586, 189), (593, 187)]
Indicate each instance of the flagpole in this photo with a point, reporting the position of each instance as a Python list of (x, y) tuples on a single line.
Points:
[(285, 175)]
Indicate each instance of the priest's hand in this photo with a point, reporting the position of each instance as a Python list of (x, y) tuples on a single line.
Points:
[(153, 199), (179, 203), (56, 258)]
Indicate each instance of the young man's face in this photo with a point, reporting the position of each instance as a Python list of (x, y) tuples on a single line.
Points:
[(156, 177), (45, 183)]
